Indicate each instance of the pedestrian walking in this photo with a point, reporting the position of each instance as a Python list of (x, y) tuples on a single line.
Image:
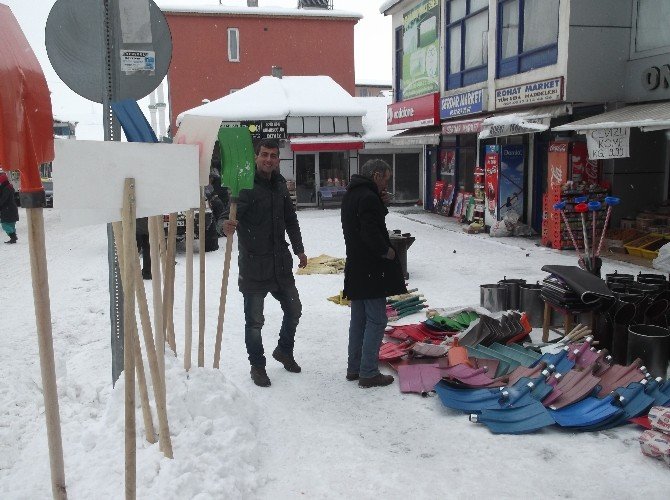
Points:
[(9, 213), (265, 215)]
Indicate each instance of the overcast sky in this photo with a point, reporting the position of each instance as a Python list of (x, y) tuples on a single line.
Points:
[(373, 41)]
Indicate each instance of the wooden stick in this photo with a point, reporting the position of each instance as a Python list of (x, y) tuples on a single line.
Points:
[(139, 365), (188, 302), (157, 378), (201, 298), (156, 241), (168, 284), (129, 249), (224, 286), (40, 279)]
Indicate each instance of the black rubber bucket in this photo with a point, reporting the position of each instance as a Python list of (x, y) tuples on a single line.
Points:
[(493, 297), (652, 345), (512, 286), (618, 278), (621, 321), (530, 302), (652, 279)]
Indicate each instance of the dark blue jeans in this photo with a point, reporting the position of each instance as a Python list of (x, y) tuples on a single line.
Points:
[(253, 314), (366, 331)]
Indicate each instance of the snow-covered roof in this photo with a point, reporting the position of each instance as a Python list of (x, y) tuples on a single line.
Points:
[(272, 98), (655, 116), (387, 5), (374, 122), (243, 10)]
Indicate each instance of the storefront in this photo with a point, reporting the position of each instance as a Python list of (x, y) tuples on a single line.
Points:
[(415, 147)]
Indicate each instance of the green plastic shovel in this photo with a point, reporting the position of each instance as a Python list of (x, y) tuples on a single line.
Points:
[(237, 172)]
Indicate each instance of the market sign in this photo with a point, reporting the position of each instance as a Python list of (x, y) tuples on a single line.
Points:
[(530, 93), (421, 49), (522, 126), (418, 112), (462, 127), (608, 143), (262, 129), (465, 103)]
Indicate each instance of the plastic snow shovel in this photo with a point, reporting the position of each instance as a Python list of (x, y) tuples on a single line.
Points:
[(523, 420), (654, 390), (475, 400), (633, 402), (237, 172), (419, 378), (589, 411)]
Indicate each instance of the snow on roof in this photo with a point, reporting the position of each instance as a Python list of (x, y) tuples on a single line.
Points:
[(273, 98), (243, 10), (374, 122), (387, 5)]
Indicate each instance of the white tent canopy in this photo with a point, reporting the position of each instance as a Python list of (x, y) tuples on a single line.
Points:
[(272, 98)]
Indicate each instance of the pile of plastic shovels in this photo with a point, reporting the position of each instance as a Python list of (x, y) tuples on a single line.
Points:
[(399, 306)]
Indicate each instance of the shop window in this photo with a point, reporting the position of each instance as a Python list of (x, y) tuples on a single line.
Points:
[(398, 64), (651, 25), (333, 169), (467, 42), (406, 177), (527, 35), (233, 44)]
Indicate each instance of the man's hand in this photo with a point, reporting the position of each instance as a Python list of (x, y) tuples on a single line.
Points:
[(386, 197), (229, 227), (390, 254), (303, 260)]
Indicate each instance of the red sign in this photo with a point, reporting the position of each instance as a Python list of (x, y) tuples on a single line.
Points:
[(462, 127), (558, 165), (422, 111), (491, 161), (583, 168)]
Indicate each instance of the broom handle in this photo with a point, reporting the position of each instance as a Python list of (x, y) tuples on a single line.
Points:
[(602, 235), (224, 286)]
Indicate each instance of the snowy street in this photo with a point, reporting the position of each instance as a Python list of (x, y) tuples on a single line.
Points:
[(310, 435)]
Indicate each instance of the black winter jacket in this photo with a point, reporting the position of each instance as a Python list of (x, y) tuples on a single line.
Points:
[(265, 215), (367, 274), (8, 210)]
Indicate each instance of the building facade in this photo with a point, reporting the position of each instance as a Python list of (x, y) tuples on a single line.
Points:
[(513, 79), (218, 49)]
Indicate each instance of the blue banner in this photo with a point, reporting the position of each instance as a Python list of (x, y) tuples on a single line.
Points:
[(512, 175), (466, 103)]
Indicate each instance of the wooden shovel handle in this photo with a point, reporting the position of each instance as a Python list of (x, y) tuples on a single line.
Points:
[(224, 288)]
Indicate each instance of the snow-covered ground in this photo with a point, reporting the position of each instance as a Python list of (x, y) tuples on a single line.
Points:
[(310, 435)]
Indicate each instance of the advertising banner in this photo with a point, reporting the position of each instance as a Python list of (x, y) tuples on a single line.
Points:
[(530, 93), (583, 168), (512, 174), (465, 103), (421, 49), (491, 166)]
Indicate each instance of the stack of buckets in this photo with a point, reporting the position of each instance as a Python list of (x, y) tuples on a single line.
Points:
[(514, 294)]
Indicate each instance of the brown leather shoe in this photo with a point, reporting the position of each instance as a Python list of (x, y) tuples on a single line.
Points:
[(352, 376), (286, 360), (378, 380), (260, 376)]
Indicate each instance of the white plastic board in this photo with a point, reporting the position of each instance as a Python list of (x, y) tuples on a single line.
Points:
[(89, 177), (201, 131)]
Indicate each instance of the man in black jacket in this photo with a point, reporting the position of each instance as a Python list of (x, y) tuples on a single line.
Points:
[(9, 213), (372, 271), (265, 214)]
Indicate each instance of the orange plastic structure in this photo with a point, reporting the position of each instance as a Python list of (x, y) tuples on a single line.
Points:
[(26, 120)]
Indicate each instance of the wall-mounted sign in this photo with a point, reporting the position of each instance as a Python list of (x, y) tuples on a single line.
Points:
[(655, 77), (462, 127), (522, 126), (530, 93), (262, 129), (421, 49), (608, 143), (418, 112), (138, 61), (465, 103)]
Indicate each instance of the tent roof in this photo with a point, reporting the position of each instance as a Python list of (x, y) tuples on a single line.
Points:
[(272, 98)]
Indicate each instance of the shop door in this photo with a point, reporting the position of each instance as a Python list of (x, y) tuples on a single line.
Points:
[(306, 179)]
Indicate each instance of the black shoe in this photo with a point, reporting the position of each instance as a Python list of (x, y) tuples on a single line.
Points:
[(259, 376), (146, 275), (12, 239), (286, 360), (352, 376), (378, 380)]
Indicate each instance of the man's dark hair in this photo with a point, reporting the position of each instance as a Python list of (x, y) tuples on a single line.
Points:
[(371, 167), (266, 143)]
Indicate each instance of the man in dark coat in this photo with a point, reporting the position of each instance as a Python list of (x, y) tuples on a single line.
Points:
[(372, 271), (265, 214), (9, 213)]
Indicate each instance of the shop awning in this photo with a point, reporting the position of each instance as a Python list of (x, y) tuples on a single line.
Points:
[(326, 143), (647, 117), (458, 127), (424, 136), (529, 121)]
